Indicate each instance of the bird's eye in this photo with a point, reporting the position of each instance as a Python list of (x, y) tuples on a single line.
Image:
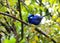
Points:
[(31, 17)]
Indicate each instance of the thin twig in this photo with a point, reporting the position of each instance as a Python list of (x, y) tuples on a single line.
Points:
[(7, 4), (6, 21), (11, 27), (15, 33), (0, 38), (4, 33), (6, 27), (20, 14)]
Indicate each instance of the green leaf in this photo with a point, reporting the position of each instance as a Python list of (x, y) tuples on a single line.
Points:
[(12, 40), (6, 41), (23, 41), (3, 9), (12, 2)]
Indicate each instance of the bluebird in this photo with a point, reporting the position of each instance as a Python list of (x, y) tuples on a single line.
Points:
[(34, 19)]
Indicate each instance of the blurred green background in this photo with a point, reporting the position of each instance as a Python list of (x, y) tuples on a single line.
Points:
[(50, 23)]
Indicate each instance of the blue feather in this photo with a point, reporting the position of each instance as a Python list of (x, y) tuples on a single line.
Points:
[(34, 19)]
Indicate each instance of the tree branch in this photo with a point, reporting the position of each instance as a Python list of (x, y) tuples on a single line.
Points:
[(13, 17), (40, 31), (36, 29)]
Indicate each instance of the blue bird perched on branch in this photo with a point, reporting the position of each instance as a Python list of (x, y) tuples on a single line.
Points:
[(34, 19)]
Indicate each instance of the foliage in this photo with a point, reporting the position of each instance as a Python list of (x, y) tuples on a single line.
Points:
[(50, 23)]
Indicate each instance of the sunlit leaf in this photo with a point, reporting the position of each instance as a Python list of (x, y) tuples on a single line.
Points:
[(36, 38), (12, 40), (54, 17), (27, 2), (6, 41), (33, 41), (58, 20), (12, 3)]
